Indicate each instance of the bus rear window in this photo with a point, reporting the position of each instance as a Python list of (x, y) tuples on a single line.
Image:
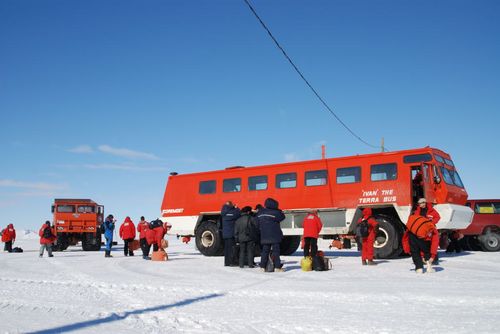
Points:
[(287, 180), (384, 172), (207, 187), (66, 208), (316, 178)]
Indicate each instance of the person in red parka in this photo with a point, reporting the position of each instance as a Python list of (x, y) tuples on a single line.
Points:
[(367, 242), (155, 234), (143, 228), (312, 226), (8, 236), (127, 233), (47, 238), (422, 247), (425, 209)]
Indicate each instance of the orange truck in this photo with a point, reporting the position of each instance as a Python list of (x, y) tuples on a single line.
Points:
[(77, 220), (389, 182)]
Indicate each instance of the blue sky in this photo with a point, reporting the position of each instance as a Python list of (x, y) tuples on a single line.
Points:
[(102, 99)]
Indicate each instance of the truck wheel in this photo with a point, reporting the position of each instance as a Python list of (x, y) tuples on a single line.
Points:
[(388, 239), (208, 239), (490, 242), (62, 243), (91, 242), (289, 245)]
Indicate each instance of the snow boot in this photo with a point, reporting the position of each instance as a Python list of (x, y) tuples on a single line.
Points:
[(371, 263), (108, 254), (419, 271), (363, 262)]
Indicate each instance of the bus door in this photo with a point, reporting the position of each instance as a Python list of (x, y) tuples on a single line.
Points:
[(428, 182)]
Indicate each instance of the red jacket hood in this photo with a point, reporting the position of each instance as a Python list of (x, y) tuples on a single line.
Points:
[(367, 212)]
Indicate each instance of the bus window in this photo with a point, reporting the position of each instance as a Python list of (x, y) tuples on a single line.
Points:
[(86, 209), (287, 180), (348, 175), (497, 207), (424, 157), (257, 182), (231, 185), (447, 176), (384, 172), (316, 178), (207, 187), (66, 208)]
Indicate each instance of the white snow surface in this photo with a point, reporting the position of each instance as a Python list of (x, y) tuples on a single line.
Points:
[(83, 292)]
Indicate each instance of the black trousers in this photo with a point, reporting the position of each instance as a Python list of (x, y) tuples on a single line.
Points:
[(8, 246), (246, 248), (418, 245), (310, 247), (228, 251), (145, 247), (126, 250)]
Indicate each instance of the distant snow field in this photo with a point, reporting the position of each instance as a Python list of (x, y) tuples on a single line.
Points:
[(83, 292)]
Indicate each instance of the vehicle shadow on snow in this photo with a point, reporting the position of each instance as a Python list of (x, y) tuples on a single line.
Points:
[(121, 316)]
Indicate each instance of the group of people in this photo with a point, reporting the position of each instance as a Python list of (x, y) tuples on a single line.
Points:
[(248, 229), (244, 229), (151, 234)]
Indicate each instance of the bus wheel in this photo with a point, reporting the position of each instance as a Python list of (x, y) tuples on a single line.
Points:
[(490, 242), (388, 239), (208, 239), (62, 243), (289, 245)]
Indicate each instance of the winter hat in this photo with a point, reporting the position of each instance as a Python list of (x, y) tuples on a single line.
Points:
[(128, 220), (246, 209), (422, 200)]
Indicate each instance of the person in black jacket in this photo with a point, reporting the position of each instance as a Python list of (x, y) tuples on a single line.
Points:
[(245, 233), (229, 214), (268, 220)]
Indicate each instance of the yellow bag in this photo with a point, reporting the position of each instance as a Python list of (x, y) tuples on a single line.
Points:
[(306, 264)]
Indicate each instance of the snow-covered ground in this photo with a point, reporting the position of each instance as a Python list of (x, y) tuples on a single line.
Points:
[(83, 292)]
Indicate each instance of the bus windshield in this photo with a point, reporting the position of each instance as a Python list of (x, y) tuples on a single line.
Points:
[(451, 177)]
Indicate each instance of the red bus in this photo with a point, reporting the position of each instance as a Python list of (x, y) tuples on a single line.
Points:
[(389, 182)]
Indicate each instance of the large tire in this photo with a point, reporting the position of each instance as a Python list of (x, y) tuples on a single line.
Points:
[(388, 239), (208, 239), (62, 243), (91, 242), (490, 242), (289, 244)]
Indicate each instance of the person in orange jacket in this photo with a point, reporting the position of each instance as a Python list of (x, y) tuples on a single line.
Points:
[(426, 210), (312, 226), (143, 228), (127, 233), (8, 236), (47, 238), (367, 242), (422, 247)]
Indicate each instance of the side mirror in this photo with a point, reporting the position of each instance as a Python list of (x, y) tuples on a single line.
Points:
[(437, 179), (53, 208)]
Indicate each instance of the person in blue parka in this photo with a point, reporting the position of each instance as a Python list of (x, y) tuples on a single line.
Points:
[(229, 214), (109, 227), (268, 219)]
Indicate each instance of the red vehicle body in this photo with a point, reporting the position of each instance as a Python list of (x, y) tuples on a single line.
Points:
[(390, 183), (484, 231), (77, 220)]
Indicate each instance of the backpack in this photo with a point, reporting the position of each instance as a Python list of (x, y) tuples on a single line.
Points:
[(155, 223), (362, 230), (102, 228), (318, 263), (47, 233), (17, 250)]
